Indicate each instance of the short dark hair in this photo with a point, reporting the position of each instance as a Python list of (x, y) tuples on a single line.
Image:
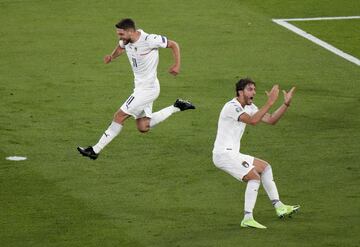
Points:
[(241, 84), (125, 24)]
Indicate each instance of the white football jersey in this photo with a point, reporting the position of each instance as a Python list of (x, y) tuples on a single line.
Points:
[(144, 58), (230, 129)]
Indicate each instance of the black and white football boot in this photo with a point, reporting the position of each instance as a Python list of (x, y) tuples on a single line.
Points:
[(88, 152), (183, 105)]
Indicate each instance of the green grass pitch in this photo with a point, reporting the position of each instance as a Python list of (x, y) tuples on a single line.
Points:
[(161, 189)]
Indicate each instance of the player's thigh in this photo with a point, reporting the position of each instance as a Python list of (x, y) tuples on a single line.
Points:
[(235, 164), (144, 112), (140, 102), (260, 165)]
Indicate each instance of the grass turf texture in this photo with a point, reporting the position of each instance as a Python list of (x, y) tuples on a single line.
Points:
[(343, 34), (161, 189)]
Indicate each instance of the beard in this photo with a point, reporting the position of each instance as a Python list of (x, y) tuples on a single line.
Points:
[(249, 100), (126, 41)]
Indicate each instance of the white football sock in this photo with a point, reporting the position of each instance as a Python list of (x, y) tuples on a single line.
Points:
[(269, 185), (251, 193), (277, 203), (248, 215), (113, 130), (163, 114)]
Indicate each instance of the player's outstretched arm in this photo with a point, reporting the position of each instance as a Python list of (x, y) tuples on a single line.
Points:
[(259, 115), (175, 68), (274, 117), (116, 52)]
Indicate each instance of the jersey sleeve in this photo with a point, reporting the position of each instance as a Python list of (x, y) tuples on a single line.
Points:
[(234, 111), (156, 41)]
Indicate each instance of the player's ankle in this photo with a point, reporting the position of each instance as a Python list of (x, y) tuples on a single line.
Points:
[(277, 203)]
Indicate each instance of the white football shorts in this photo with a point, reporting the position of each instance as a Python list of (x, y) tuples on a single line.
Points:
[(234, 163), (140, 102)]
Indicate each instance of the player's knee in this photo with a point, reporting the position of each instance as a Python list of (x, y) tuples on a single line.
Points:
[(143, 130), (119, 117), (267, 166), (143, 127)]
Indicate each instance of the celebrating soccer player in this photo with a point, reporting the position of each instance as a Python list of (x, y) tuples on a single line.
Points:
[(142, 51), (226, 153)]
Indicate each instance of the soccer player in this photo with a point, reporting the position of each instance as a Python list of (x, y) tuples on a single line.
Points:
[(234, 116), (142, 51)]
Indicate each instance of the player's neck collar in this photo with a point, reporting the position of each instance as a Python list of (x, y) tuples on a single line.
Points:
[(237, 100)]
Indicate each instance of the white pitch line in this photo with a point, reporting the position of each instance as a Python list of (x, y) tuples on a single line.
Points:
[(321, 18), (16, 158), (284, 23)]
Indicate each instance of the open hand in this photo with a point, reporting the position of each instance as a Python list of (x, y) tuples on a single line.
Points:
[(288, 95), (273, 94)]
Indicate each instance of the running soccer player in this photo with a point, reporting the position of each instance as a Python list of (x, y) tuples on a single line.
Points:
[(142, 51), (226, 153)]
